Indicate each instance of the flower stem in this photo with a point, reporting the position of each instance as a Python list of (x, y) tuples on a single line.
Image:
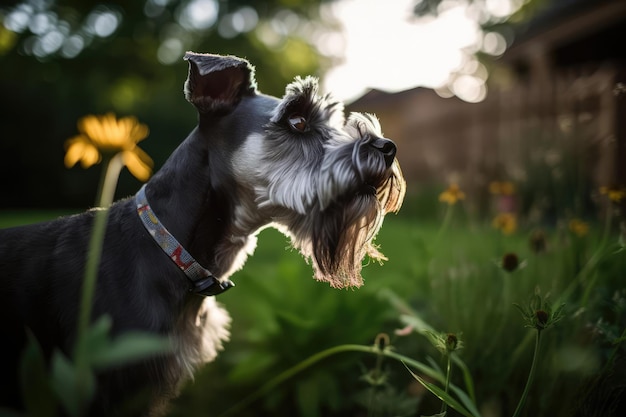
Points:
[(589, 266), (531, 375), (311, 360), (595, 259), (106, 192), (444, 405), (444, 224)]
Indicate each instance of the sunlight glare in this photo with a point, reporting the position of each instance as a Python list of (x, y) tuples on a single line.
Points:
[(170, 51), (17, 20), (388, 48), (494, 43), (469, 88), (502, 8), (198, 14)]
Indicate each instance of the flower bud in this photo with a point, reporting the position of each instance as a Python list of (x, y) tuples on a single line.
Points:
[(510, 262), (541, 319), (537, 241), (451, 342)]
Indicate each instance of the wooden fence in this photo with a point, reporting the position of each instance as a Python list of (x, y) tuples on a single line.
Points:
[(558, 141)]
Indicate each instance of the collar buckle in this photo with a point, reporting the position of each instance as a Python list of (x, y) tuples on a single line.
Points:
[(211, 286)]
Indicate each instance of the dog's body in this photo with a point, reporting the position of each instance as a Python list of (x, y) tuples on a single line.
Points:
[(252, 161)]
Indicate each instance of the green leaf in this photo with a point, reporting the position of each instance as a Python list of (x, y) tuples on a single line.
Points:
[(465, 400), (441, 394), (95, 339), (252, 364), (398, 303), (97, 333), (293, 320), (422, 367), (128, 347), (37, 393), (417, 323), (74, 389), (523, 312), (469, 385), (308, 397), (434, 365)]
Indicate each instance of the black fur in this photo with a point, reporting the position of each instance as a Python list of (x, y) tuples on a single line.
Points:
[(42, 267), (213, 198)]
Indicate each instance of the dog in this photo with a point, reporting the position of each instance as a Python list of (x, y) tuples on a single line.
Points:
[(253, 161)]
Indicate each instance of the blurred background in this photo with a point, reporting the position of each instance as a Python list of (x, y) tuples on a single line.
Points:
[(450, 80), (528, 93)]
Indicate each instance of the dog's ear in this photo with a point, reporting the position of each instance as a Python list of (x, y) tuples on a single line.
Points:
[(216, 83)]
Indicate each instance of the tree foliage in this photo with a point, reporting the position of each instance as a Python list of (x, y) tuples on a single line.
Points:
[(60, 60), (63, 59)]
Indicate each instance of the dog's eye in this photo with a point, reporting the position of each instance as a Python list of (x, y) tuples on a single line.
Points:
[(298, 123)]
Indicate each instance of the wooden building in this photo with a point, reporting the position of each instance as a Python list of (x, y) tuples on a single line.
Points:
[(555, 127)]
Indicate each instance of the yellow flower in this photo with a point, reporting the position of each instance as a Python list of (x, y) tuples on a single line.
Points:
[(501, 188), (614, 193), (452, 194), (578, 227), (505, 222), (109, 135)]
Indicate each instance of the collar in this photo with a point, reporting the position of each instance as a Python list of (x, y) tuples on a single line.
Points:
[(204, 283)]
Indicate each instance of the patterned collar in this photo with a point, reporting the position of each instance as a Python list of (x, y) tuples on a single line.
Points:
[(203, 281)]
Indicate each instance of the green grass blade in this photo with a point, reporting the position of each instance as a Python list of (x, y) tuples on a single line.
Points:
[(467, 378), (442, 395)]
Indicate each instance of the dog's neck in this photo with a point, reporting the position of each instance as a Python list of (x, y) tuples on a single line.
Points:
[(197, 208), (202, 281)]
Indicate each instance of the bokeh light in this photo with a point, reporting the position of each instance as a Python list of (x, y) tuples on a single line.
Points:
[(243, 20), (387, 48), (198, 14), (376, 44), (50, 34)]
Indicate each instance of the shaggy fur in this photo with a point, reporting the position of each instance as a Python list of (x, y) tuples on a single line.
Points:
[(252, 162)]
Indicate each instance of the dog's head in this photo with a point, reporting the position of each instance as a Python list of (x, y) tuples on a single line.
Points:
[(299, 164)]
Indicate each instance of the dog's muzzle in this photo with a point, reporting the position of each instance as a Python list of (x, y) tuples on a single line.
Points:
[(387, 148), (373, 176)]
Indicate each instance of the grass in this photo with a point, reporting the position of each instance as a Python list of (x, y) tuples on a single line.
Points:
[(454, 284), (10, 218), (448, 280)]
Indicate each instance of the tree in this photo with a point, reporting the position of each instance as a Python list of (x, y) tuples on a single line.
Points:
[(60, 60)]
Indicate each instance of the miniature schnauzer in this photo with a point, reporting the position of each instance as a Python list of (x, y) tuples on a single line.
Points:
[(253, 161)]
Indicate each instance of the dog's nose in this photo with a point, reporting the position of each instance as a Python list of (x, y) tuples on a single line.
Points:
[(387, 148)]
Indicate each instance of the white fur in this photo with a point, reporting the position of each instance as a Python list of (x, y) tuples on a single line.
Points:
[(209, 330)]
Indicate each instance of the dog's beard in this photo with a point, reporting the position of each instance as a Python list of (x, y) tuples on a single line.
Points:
[(330, 196), (339, 237), (343, 234), (342, 237)]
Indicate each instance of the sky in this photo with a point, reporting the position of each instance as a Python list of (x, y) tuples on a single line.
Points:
[(386, 47), (381, 44)]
